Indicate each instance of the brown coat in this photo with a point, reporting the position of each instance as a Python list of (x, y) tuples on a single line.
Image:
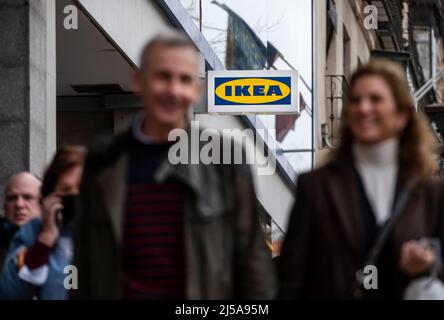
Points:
[(323, 247)]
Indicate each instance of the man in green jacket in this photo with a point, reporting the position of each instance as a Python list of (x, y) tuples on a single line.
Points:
[(149, 229)]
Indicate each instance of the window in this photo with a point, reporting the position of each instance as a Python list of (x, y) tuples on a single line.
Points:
[(422, 37)]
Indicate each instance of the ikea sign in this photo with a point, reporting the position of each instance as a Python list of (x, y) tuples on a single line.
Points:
[(256, 92)]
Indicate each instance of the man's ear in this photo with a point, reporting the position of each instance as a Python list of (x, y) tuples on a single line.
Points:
[(199, 86), (136, 81)]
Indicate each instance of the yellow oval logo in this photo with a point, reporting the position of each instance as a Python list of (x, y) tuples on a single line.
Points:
[(252, 91)]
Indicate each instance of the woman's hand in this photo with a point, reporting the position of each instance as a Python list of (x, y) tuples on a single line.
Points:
[(415, 259), (51, 205)]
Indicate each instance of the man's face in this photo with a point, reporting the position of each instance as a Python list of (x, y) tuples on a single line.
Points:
[(22, 199), (170, 84)]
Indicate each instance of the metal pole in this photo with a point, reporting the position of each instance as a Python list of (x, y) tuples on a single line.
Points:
[(296, 150), (200, 15)]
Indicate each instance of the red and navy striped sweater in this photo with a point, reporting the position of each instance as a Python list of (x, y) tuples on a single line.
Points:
[(153, 253)]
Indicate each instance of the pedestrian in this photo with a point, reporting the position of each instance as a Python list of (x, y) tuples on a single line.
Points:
[(42, 248), (150, 229), (21, 204), (385, 159)]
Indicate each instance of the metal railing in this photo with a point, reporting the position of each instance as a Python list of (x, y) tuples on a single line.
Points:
[(429, 85), (338, 90)]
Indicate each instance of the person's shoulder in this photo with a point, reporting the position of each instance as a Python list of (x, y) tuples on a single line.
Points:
[(106, 148), (319, 173), (5, 225), (32, 226), (435, 180), (7, 231), (434, 185), (28, 233)]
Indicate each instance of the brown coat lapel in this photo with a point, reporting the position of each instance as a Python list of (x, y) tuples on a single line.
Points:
[(343, 189)]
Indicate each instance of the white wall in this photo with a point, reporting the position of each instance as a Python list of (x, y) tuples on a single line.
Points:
[(129, 23)]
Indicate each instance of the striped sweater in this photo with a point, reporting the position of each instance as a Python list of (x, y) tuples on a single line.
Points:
[(153, 252)]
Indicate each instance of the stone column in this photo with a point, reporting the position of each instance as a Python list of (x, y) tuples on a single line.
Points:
[(27, 87)]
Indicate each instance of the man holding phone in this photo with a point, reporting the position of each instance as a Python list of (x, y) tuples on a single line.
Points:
[(42, 248)]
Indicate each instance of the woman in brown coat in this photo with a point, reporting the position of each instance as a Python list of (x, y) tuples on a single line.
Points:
[(385, 147)]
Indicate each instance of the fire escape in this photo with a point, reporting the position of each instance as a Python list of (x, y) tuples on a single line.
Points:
[(429, 15), (406, 32)]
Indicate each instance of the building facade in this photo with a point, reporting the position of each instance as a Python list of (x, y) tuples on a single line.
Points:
[(351, 32), (66, 64), (342, 45), (65, 70)]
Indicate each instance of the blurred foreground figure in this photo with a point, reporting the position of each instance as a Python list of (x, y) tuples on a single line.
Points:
[(21, 204), (385, 160), (42, 248), (148, 229)]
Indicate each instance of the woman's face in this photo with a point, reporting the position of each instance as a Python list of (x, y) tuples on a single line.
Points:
[(372, 113), (69, 182)]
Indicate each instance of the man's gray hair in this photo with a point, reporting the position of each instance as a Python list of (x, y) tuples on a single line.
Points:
[(170, 38)]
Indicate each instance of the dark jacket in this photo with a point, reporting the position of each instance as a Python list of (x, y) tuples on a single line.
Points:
[(324, 244), (226, 254), (7, 231)]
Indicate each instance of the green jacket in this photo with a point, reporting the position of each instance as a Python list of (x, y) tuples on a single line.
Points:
[(226, 254)]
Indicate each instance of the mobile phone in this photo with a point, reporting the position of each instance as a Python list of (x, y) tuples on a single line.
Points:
[(67, 213)]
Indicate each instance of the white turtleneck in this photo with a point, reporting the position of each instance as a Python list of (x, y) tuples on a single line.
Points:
[(377, 166)]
